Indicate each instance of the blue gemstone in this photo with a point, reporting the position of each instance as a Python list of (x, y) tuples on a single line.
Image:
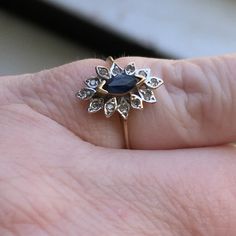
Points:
[(121, 83)]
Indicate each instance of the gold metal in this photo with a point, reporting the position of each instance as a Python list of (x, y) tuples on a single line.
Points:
[(100, 89), (121, 103), (141, 81), (110, 60), (125, 132)]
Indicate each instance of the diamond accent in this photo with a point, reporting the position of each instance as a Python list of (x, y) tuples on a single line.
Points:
[(92, 83), (136, 101), (110, 107), (95, 105), (154, 82), (123, 108), (103, 72), (147, 95), (143, 72), (115, 69), (85, 93), (130, 69)]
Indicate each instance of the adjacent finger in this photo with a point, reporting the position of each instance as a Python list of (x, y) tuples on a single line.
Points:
[(196, 106)]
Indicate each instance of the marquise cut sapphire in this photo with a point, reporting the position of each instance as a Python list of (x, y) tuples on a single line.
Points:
[(120, 84)]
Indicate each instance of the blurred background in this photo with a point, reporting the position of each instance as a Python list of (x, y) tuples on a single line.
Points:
[(39, 34)]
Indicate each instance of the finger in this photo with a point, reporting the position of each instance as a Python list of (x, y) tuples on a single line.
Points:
[(52, 94), (196, 106), (133, 191)]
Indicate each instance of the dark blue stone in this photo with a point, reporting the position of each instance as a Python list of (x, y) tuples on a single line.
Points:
[(120, 83)]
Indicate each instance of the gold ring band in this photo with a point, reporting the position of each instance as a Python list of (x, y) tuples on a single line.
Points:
[(125, 133), (116, 89)]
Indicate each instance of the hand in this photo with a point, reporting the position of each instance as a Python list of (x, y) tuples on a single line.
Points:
[(59, 173)]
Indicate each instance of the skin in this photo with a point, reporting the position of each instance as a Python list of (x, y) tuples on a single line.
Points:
[(64, 172)]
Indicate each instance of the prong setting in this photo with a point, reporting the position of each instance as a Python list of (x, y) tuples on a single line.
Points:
[(110, 107), (130, 68), (115, 69), (136, 101), (123, 108), (102, 72), (95, 105), (85, 94), (154, 82), (118, 89)]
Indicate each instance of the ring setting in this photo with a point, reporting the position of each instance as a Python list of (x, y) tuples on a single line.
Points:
[(117, 89)]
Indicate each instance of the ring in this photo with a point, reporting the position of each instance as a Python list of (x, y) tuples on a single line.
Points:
[(119, 90)]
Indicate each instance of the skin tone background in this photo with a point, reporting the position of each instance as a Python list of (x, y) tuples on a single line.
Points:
[(64, 172)]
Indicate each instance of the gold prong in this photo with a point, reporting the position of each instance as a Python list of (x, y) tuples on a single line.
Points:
[(100, 89), (125, 132), (141, 81), (110, 60)]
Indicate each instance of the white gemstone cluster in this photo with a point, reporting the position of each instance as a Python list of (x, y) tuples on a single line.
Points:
[(122, 103)]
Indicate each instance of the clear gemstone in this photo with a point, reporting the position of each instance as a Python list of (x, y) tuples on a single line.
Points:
[(96, 104), (102, 72), (130, 69), (154, 82), (110, 107), (136, 101), (147, 95), (85, 93), (124, 108), (143, 73), (93, 82), (115, 69)]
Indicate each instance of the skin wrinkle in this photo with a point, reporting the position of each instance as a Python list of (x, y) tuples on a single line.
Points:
[(39, 216), (180, 209), (192, 90), (22, 217), (83, 196), (177, 90), (135, 207), (33, 98), (9, 93), (64, 91), (226, 83), (184, 227), (32, 118), (192, 108), (218, 94), (135, 192), (117, 193), (170, 218), (38, 213), (213, 86)]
